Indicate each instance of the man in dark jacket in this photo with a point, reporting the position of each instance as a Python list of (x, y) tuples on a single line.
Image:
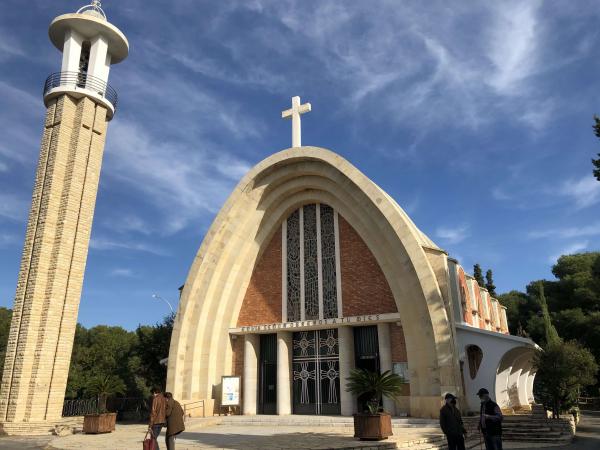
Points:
[(175, 420), (490, 421), (452, 424)]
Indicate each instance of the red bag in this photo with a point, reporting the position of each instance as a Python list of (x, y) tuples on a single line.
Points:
[(150, 442)]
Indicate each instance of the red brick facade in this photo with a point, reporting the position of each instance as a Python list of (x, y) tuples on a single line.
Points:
[(365, 291), (364, 287), (398, 343), (237, 347), (262, 302)]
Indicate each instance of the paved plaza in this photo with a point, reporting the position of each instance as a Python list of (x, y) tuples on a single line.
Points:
[(208, 434)]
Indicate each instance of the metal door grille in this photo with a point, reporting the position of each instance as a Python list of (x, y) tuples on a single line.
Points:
[(316, 372)]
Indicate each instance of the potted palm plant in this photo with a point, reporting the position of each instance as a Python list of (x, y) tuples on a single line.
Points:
[(102, 421), (373, 424)]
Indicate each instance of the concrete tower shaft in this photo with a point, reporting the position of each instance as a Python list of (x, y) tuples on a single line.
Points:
[(79, 105)]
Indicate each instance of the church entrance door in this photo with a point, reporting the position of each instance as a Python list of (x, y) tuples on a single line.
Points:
[(316, 372), (366, 352), (267, 398)]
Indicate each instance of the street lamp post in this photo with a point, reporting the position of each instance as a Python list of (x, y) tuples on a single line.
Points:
[(158, 297)]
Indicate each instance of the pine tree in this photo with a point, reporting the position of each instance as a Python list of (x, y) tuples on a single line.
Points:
[(596, 162), (478, 275), (489, 283)]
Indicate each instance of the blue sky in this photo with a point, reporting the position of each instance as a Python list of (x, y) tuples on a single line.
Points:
[(475, 116)]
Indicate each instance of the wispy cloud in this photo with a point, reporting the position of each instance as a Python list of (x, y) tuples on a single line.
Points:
[(570, 249), (567, 233), (122, 272), (583, 192), (181, 181), (102, 243), (9, 239), (452, 235), (13, 206), (513, 44)]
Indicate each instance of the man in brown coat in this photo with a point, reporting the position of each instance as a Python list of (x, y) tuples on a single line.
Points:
[(158, 413), (175, 420)]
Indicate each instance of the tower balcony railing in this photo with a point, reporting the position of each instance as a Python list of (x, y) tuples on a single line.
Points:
[(81, 82)]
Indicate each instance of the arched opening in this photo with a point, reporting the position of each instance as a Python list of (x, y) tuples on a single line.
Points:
[(474, 357)]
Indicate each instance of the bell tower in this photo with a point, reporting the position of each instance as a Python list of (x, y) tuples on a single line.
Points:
[(79, 103)]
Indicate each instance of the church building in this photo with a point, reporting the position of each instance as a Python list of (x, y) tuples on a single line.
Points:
[(310, 270)]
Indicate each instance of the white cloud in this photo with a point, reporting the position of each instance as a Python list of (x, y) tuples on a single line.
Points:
[(102, 243), (13, 207), (452, 235), (125, 223), (567, 233), (583, 192), (513, 44), (570, 249), (7, 239), (121, 272), (499, 193), (181, 181)]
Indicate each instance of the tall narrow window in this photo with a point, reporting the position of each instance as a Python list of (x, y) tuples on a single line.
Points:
[(310, 234), (311, 266), (330, 307), (293, 267)]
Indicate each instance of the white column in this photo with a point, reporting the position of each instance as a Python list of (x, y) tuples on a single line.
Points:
[(71, 52), (284, 369), (385, 359), (98, 52), (346, 346), (251, 352)]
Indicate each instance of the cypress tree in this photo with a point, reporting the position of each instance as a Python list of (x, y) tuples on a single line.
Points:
[(489, 283), (478, 275), (550, 332)]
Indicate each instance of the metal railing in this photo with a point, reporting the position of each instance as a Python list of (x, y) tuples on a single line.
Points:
[(83, 81), (80, 407)]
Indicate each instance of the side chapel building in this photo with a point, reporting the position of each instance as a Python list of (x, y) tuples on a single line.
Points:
[(309, 270)]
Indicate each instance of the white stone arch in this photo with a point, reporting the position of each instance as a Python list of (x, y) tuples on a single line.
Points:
[(214, 290), (513, 378)]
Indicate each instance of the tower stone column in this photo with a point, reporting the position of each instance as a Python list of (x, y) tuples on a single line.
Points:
[(79, 106)]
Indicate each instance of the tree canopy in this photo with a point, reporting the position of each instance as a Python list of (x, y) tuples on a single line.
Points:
[(572, 305)]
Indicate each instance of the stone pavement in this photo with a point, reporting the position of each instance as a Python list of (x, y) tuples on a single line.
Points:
[(208, 434), (233, 437)]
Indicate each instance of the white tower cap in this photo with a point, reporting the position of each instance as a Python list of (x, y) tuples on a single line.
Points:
[(89, 22)]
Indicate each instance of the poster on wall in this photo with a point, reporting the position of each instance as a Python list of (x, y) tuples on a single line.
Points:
[(230, 391)]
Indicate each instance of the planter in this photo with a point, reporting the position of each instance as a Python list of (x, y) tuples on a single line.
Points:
[(372, 427), (99, 423)]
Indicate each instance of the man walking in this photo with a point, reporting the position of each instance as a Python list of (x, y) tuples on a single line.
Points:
[(158, 418), (451, 424), (175, 418), (490, 421)]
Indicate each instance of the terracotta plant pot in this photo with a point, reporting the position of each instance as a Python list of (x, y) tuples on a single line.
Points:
[(99, 423), (372, 427)]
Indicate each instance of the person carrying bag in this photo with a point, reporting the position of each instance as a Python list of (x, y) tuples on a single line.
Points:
[(150, 442)]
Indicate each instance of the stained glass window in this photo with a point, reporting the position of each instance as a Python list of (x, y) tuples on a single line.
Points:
[(311, 268), (293, 267), (330, 307)]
